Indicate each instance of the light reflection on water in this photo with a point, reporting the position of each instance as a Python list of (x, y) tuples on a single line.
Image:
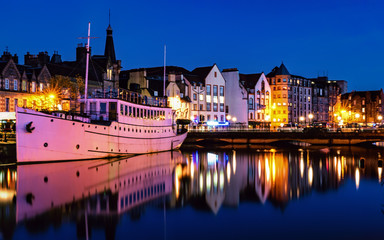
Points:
[(171, 191)]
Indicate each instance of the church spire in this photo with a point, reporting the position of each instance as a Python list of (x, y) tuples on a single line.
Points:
[(109, 51)]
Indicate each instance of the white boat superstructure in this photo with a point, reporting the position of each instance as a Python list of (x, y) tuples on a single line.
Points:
[(112, 127)]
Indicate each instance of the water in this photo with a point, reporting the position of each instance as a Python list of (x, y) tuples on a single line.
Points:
[(227, 194)]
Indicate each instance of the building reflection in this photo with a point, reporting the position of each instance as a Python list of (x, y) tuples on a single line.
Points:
[(216, 179)]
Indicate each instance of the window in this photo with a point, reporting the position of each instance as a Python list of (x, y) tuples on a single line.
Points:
[(208, 106), (121, 109), (221, 107), (24, 85), (195, 96), (215, 107), (201, 107), (6, 84), (103, 108), (363, 109), (41, 87), (7, 104), (284, 79), (214, 90), (15, 84), (126, 110), (208, 89), (222, 91), (215, 74), (363, 102)]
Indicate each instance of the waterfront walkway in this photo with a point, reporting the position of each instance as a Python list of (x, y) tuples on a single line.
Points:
[(314, 137)]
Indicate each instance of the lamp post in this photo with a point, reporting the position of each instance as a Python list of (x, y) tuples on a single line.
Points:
[(357, 116), (380, 118), (310, 116), (301, 120)]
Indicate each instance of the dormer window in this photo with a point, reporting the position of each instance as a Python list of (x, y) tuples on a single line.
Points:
[(15, 84), (6, 85), (109, 73)]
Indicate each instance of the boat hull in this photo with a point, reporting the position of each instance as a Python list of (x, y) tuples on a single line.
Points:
[(42, 137)]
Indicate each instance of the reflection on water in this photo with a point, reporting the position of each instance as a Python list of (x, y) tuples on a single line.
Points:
[(97, 194)]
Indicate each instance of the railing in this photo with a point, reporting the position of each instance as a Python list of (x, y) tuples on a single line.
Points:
[(130, 96)]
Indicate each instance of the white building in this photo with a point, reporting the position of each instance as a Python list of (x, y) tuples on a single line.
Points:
[(208, 94), (236, 97), (259, 99)]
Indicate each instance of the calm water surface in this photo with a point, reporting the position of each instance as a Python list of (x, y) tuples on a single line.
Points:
[(323, 193)]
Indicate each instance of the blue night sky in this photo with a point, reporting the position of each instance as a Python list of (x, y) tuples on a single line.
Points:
[(343, 39)]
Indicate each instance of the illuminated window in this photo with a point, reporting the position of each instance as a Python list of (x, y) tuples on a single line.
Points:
[(33, 86), (15, 84), (24, 85)]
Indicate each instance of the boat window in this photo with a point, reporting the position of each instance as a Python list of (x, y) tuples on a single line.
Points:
[(103, 108), (141, 113), (138, 112), (130, 111), (121, 109), (151, 114), (134, 112), (126, 110)]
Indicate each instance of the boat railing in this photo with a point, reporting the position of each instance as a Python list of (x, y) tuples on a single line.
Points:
[(130, 96)]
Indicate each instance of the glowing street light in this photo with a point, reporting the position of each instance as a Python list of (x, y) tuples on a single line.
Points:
[(380, 117), (310, 116), (234, 119), (357, 115), (229, 117)]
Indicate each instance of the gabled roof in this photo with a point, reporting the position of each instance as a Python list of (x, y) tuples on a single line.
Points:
[(202, 72), (250, 80)]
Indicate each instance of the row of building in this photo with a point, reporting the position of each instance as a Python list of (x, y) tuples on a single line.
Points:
[(205, 95)]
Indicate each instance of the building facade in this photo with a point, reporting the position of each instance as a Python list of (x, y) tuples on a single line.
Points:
[(208, 95), (291, 97), (236, 97), (259, 97), (363, 107)]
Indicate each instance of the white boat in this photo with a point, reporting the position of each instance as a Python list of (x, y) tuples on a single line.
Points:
[(117, 127), (113, 123)]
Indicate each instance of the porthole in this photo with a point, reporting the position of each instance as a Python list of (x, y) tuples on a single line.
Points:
[(95, 126), (97, 148), (115, 127), (51, 120), (77, 173), (104, 128), (111, 150), (73, 124), (124, 129), (45, 144), (89, 126), (120, 128), (45, 179), (77, 146), (82, 125)]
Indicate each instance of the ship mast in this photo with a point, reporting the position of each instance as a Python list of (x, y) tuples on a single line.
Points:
[(86, 70)]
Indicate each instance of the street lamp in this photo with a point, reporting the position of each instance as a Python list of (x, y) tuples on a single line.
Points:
[(301, 120), (310, 116), (229, 117), (357, 116)]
